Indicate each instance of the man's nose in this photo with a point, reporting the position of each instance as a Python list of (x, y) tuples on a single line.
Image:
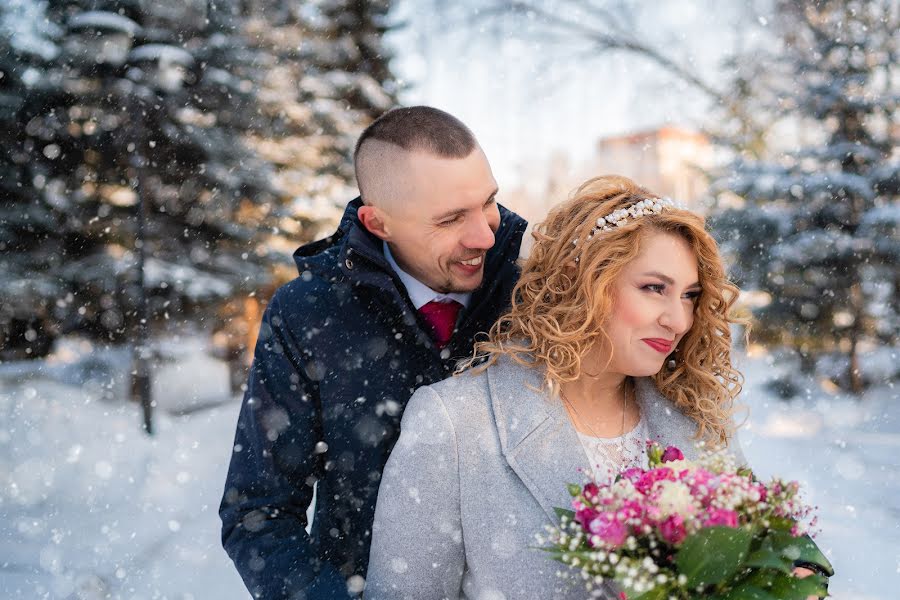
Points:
[(479, 233)]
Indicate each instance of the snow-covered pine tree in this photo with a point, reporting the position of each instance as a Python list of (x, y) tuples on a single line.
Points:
[(818, 224), (113, 128), (186, 109), (322, 75), (29, 289)]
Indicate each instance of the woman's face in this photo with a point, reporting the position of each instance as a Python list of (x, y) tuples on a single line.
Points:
[(653, 305)]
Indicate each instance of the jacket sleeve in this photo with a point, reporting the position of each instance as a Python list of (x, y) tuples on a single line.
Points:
[(734, 446), (417, 547), (274, 466)]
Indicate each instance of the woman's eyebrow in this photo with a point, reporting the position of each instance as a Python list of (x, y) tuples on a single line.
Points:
[(666, 278), (659, 275)]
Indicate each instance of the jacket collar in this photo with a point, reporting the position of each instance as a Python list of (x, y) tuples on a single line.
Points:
[(538, 439), (419, 293), (352, 240), (353, 254)]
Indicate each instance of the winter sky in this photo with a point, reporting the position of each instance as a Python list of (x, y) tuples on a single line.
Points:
[(526, 101)]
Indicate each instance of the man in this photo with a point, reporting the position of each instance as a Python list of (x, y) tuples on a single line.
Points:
[(421, 262)]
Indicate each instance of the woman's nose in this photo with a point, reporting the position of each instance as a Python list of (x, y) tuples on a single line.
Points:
[(677, 317)]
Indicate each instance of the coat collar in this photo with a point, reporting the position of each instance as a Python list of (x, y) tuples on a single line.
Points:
[(538, 439)]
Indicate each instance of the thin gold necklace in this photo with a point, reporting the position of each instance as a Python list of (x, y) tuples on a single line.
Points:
[(591, 429), (588, 425)]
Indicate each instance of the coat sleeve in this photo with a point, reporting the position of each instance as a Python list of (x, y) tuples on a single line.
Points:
[(273, 468), (734, 446), (417, 547)]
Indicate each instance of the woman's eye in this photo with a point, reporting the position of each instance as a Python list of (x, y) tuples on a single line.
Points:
[(693, 295), (657, 288)]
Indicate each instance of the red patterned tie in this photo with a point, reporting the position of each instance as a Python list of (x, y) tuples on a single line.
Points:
[(441, 317)]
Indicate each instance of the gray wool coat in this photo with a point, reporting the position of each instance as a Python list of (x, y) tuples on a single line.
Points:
[(481, 462)]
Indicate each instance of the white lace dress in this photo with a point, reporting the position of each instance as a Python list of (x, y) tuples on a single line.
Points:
[(610, 456)]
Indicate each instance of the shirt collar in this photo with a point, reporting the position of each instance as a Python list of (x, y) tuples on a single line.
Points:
[(419, 293)]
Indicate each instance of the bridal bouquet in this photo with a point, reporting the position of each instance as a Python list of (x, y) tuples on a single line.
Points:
[(687, 529)]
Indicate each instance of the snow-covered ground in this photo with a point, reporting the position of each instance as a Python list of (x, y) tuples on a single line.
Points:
[(91, 508), (846, 453)]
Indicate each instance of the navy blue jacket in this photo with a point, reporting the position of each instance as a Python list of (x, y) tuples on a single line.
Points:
[(340, 351)]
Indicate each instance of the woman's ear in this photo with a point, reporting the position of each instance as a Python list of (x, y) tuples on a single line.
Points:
[(375, 221)]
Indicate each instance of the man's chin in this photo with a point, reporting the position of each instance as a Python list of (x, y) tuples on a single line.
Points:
[(457, 288), (462, 280), (467, 285)]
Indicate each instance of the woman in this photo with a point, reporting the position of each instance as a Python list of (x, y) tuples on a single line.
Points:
[(618, 333)]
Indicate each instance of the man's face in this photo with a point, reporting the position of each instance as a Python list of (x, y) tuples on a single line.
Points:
[(441, 229)]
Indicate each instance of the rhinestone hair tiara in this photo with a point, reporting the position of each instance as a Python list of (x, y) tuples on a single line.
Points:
[(621, 216)]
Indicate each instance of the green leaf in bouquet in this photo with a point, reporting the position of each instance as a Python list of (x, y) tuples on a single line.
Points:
[(786, 586), (794, 587), (712, 555), (574, 489), (780, 524), (746, 591), (800, 549), (767, 558), (747, 472), (564, 512)]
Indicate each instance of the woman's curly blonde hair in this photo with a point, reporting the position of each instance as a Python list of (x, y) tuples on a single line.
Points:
[(560, 304)]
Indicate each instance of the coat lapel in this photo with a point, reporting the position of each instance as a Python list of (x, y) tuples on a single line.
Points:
[(538, 440), (536, 437), (665, 424)]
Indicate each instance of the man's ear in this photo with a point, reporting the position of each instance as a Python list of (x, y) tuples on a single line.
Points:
[(375, 221)]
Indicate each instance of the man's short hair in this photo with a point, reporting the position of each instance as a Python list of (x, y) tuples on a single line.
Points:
[(405, 130), (421, 128)]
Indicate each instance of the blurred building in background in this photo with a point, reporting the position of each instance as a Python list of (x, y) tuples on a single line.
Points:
[(668, 160)]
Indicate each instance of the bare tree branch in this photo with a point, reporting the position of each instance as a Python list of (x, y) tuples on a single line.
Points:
[(614, 39), (595, 27)]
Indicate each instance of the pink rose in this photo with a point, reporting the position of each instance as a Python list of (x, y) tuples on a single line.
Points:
[(672, 530), (652, 515), (672, 453), (591, 491), (633, 474), (648, 478), (612, 531), (721, 517), (631, 509), (585, 515), (702, 484)]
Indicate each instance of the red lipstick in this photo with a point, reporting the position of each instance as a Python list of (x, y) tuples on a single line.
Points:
[(659, 344)]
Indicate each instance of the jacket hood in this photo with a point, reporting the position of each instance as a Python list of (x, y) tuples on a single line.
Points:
[(348, 219)]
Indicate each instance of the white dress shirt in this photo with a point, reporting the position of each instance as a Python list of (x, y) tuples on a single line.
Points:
[(419, 293)]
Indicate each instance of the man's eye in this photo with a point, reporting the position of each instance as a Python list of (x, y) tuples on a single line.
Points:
[(448, 222)]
